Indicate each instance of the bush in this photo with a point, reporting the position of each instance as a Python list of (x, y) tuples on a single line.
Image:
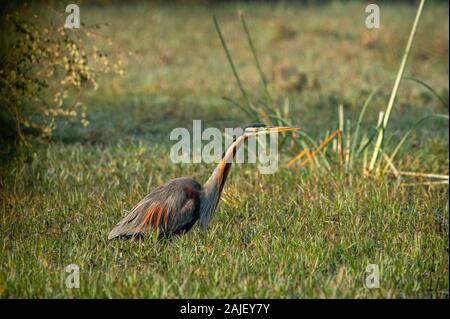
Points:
[(43, 72)]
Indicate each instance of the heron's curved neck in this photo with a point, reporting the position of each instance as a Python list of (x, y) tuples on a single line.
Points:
[(213, 187)]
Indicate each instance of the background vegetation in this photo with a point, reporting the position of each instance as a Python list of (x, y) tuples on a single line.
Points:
[(297, 233)]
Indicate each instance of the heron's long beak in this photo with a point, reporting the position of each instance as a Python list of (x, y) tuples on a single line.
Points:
[(276, 129), (279, 129)]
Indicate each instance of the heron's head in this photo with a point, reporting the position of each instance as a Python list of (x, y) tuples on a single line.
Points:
[(260, 129)]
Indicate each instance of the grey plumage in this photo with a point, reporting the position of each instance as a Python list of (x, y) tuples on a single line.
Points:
[(181, 211)]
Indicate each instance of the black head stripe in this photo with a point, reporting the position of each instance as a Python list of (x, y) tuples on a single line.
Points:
[(256, 125)]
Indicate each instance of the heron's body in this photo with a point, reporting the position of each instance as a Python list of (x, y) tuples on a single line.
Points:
[(174, 207), (168, 214)]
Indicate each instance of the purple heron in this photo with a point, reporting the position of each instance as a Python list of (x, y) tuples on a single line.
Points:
[(174, 207)]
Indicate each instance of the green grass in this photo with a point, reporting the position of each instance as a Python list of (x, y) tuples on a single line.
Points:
[(291, 234)]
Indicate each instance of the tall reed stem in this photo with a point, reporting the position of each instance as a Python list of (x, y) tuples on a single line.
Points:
[(230, 60), (396, 86)]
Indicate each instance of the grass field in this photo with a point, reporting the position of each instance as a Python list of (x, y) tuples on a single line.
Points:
[(294, 234)]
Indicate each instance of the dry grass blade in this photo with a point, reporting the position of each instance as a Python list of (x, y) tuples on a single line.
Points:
[(333, 135), (429, 183), (424, 175), (391, 165), (265, 117), (298, 157)]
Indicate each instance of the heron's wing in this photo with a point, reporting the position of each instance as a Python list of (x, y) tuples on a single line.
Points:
[(170, 208)]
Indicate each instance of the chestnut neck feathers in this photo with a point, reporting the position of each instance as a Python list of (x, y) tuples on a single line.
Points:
[(213, 187)]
